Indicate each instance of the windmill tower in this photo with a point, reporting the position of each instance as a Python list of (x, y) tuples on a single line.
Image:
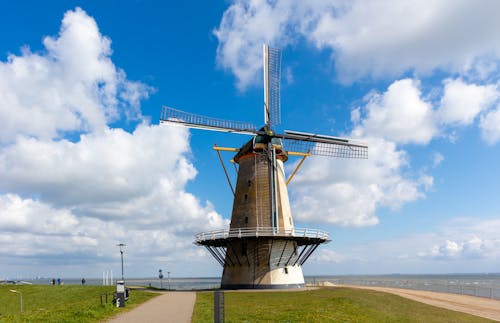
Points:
[(262, 248)]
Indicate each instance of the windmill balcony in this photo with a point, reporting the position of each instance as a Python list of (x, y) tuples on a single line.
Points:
[(301, 235)]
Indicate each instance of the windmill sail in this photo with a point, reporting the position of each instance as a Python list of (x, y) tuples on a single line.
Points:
[(272, 76), (323, 145), (191, 120)]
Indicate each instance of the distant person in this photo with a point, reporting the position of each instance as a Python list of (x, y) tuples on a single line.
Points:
[(58, 281), (83, 281), (53, 281)]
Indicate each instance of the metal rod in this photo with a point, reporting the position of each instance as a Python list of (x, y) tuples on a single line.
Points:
[(300, 255), (214, 255), (291, 255), (225, 170), (229, 258), (221, 255), (284, 248), (309, 254)]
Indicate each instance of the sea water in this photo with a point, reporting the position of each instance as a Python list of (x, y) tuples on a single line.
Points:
[(481, 285)]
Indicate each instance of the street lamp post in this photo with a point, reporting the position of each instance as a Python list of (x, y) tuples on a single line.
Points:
[(21, 295), (168, 275), (121, 245)]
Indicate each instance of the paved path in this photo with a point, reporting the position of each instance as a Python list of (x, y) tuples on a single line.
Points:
[(484, 307), (175, 307)]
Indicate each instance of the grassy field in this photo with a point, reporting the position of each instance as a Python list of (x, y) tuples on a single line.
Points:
[(65, 303), (324, 305)]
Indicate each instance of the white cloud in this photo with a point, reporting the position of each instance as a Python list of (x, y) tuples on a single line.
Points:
[(462, 102), (71, 86), (459, 245), (437, 159), (399, 115), (244, 27), (490, 126), (349, 192), (328, 255), (472, 248), (111, 185), (70, 201), (111, 166), (454, 36)]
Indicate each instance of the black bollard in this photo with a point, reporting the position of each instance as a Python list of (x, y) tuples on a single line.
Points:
[(218, 306)]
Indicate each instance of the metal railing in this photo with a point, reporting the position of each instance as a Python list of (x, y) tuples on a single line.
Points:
[(261, 232)]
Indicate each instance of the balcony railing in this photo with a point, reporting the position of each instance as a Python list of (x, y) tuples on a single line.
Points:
[(261, 232)]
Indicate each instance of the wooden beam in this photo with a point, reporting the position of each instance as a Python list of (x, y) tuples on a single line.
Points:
[(215, 147), (297, 168)]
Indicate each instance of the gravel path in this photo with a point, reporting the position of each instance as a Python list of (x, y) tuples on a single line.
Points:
[(484, 307), (175, 307)]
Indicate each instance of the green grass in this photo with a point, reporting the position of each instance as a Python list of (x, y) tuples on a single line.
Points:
[(324, 305), (66, 303)]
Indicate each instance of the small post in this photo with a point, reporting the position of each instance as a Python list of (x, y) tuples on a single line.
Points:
[(219, 306)]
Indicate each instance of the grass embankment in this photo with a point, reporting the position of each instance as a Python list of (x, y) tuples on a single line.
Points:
[(324, 305), (42, 303)]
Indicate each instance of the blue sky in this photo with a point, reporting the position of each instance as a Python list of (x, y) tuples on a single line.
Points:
[(84, 164)]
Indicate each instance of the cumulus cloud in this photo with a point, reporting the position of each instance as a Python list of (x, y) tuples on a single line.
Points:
[(72, 85), (112, 166), (473, 248), (399, 114), (70, 201), (349, 192), (462, 103), (78, 198), (387, 121), (245, 25), (452, 36), (464, 239), (490, 126), (453, 246)]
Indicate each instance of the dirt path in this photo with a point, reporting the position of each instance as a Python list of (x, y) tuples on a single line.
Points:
[(484, 307), (175, 307)]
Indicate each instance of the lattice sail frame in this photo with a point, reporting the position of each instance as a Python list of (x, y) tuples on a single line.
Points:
[(192, 120), (274, 68), (326, 149)]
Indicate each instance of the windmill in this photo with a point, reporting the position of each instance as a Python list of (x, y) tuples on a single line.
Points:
[(262, 248)]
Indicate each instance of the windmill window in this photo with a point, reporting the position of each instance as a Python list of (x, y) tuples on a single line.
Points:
[(243, 249), (246, 219), (290, 220), (249, 183), (246, 197), (286, 270)]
